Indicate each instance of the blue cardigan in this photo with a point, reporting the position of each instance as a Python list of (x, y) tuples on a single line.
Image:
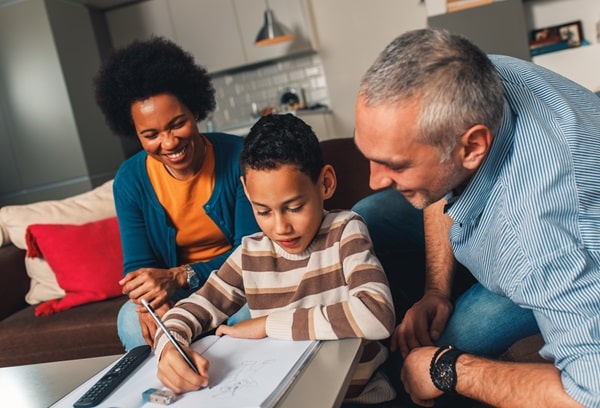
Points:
[(147, 235)]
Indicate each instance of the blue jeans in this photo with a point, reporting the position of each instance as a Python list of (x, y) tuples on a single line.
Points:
[(396, 230), (130, 332)]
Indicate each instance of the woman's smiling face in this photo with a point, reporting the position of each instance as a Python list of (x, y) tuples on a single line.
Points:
[(168, 132)]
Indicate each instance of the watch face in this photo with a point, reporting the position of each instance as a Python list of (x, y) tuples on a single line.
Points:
[(443, 376), (194, 281), (443, 370), (192, 277)]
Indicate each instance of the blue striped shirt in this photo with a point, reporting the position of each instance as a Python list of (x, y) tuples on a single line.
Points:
[(528, 224)]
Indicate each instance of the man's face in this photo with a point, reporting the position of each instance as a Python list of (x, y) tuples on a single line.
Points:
[(385, 134)]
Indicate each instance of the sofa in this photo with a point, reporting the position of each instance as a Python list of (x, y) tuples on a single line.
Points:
[(89, 330)]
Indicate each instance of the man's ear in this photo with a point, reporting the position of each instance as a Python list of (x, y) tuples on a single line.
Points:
[(476, 143), (328, 181)]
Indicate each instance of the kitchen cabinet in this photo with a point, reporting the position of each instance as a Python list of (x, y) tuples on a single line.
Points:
[(139, 22), (208, 30), (219, 33), (320, 122)]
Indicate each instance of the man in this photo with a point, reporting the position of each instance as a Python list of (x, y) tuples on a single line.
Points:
[(509, 152)]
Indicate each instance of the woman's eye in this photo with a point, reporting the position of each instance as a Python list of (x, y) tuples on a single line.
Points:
[(295, 209), (262, 213), (150, 136), (178, 125)]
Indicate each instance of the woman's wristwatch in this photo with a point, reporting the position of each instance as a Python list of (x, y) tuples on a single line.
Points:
[(192, 277)]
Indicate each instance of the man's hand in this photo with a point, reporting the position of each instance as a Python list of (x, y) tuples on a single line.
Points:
[(248, 329), (153, 284), (177, 375), (422, 324), (148, 325), (416, 379)]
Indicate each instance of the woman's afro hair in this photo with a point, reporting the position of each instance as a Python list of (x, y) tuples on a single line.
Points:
[(147, 68)]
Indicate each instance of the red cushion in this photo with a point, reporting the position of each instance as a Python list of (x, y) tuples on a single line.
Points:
[(86, 259)]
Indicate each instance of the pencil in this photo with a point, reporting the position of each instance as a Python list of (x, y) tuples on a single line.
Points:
[(162, 327)]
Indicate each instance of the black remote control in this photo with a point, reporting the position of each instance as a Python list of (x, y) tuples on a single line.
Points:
[(113, 377)]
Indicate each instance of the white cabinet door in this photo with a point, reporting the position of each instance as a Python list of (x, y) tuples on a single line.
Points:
[(320, 123), (208, 29), (219, 33), (139, 22), (292, 14)]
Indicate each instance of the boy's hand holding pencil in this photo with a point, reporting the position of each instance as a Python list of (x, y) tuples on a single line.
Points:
[(176, 374)]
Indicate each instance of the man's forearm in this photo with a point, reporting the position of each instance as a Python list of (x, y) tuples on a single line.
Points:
[(508, 384), (440, 262)]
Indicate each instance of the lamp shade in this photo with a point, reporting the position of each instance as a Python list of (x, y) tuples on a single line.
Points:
[(271, 31)]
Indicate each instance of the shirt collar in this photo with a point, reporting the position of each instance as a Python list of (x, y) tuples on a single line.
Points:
[(465, 208)]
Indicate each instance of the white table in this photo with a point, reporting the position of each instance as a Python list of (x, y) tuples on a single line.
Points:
[(323, 383)]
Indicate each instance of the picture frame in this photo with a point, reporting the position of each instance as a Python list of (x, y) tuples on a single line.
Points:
[(556, 38), (571, 33)]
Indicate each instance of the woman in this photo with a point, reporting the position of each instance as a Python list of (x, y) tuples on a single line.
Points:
[(180, 203)]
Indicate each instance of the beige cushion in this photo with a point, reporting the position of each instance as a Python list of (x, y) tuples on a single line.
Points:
[(93, 205), (43, 286), (90, 206)]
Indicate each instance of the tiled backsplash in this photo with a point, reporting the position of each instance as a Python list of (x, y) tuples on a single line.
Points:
[(264, 85)]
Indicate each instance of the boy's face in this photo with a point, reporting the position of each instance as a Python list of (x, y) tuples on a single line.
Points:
[(287, 205)]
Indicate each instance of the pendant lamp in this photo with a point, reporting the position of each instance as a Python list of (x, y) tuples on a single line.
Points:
[(271, 32)]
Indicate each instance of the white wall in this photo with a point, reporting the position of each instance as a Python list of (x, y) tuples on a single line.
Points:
[(53, 140), (578, 64), (350, 35)]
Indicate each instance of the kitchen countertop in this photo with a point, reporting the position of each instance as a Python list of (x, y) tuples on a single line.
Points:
[(243, 128)]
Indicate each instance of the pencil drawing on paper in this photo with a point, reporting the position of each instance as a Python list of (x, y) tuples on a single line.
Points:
[(243, 377)]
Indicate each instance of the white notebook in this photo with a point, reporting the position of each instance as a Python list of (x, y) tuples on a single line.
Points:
[(243, 373)]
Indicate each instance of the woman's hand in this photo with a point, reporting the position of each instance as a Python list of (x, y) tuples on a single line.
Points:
[(148, 325), (248, 329), (177, 375), (153, 284)]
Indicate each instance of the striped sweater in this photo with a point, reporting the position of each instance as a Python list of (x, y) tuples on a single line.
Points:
[(335, 289)]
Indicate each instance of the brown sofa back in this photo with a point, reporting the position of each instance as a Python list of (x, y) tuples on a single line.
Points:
[(351, 169), (15, 282)]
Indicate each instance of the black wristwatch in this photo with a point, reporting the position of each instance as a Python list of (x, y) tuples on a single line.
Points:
[(192, 277), (443, 368)]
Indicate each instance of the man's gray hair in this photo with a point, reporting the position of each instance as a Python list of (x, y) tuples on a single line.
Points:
[(457, 83)]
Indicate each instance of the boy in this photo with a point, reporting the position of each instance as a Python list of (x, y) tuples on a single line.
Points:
[(310, 273)]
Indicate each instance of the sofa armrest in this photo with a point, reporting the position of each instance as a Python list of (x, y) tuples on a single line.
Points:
[(15, 281)]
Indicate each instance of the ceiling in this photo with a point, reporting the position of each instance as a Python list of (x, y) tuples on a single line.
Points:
[(95, 4), (104, 4)]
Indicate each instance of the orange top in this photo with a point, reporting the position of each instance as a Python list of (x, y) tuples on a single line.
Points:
[(198, 238)]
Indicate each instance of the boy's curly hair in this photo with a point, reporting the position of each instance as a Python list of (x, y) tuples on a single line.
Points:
[(275, 140), (147, 68)]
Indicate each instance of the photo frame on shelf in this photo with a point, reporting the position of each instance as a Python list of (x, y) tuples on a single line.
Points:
[(572, 33), (555, 38)]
